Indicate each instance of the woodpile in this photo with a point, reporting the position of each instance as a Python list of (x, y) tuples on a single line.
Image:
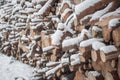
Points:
[(61, 40)]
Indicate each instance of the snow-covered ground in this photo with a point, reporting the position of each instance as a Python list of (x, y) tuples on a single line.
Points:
[(11, 69)]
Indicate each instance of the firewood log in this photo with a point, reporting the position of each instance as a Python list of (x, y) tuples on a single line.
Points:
[(95, 55), (108, 53), (91, 9), (79, 76), (91, 76), (108, 76), (96, 66), (116, 36), (118, 67)]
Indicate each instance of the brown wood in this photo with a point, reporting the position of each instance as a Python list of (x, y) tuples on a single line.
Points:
[(95, 55), (105, 57), (118, 67), (116, 36), (91, 76), (79, 76)]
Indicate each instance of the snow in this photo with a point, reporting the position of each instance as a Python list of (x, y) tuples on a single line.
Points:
[(44, 8), (36, 20), (38, 6), (96, 28), (28, 4), (52, 63), (94, 73), (114, 13), (84, 5), (99, 13), (11, 69), (20, 24), (69, 23), (89, 42), (60, 26), (30, 10), (16, 9), (57, 37), (69, 42), (97, 45), (114, 22), (52, 71), (75, 59), (48, 48), (108, 49), (24, 37), (77, 40), (64, 60)]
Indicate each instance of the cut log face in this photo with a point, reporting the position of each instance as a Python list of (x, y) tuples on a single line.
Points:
[(91, 76), (116, 36), (108, 76), (94, 55), (79, 76)]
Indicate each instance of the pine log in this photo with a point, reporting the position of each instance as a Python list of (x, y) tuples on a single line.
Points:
[(118, 67), (65, 6), (108, 76), (85, 49), (106, 34), (95, 55), (114, 6), (91, 76), (74, 68), (79, 76), (116, 36), (110, 56), (66, 16), (92, 9)]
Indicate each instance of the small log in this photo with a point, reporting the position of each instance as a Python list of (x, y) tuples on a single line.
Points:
[(108, 76), (95, 55), (85, 49), (116, 36), (110, 55), (79, 76), (74, 68), (91, 76), (118, 67)]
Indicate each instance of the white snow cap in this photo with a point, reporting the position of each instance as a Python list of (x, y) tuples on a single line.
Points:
[(108, 49), (84, 5), (89, 42), (99, 13), (97, 45), (56, 37), (96, 28), (60, 26), (114, 22), (75, 59)]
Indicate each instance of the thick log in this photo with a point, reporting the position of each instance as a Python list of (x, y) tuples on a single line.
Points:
[(105, 57), (115, 5), (91, 9)]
